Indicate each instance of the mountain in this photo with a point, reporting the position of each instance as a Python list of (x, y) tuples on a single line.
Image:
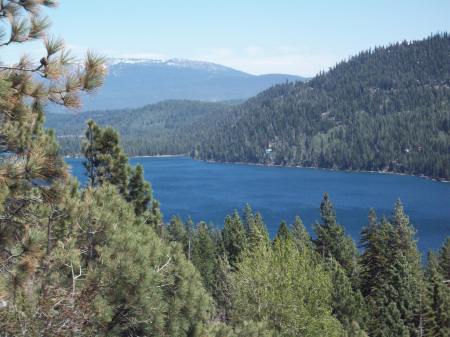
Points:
[(385, 109), (133, 83)]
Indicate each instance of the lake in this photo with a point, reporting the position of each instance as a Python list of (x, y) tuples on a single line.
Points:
[(210, 191)]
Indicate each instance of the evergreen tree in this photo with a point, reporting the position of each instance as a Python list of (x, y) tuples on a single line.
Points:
[(300, 235), (391, 277), (331, 241), (436, 301), (139, 191), (405, 236), (34, 183), (249, 218), (234, 238), (257, 233), (144, 286), (105, 160), (375, 240), (222, 289), (178, 232), (444, 259), (283, 233), (348, 304), (204, 254)]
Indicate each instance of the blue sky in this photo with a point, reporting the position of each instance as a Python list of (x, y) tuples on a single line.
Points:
[(282, 36)]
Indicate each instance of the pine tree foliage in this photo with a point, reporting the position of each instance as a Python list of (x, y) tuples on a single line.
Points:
[(300, 235), (332, 242), (283, 233), (257, 232), (98, 260), (444, 258), (105, 159), (348, 305), (203, 254), (234, 238), (391, 277), (139, 191), (436, 301)]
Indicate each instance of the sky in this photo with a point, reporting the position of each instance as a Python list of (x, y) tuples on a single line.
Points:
[(277, 36)]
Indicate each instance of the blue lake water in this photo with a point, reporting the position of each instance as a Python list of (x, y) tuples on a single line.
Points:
[(210, 191)]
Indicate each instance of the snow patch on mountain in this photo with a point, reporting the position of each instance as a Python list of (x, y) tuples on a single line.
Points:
[(174, 62)]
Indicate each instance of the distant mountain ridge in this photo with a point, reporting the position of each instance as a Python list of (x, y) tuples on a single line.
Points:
[(133, 83)]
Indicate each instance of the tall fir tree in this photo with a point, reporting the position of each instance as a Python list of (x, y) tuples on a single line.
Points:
[(332, 242), (391, 275), (300, 235), (257, 233), (444, 259), (283, 233), (233, 237), (139, 191), (436, 300), (204, 255), (348, 304)]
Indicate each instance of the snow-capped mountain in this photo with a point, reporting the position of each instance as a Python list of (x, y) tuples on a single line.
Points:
[(132, 83)]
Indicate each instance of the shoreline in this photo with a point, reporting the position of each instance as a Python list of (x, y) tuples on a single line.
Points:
[(328, 169), (286, 166)]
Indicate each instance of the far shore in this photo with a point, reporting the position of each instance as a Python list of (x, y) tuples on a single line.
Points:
[(329, 169), (288, 166)]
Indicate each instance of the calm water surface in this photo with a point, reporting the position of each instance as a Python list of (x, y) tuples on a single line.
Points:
[(210, 191)]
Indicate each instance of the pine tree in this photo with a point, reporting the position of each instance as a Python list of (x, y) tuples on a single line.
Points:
[(405, 236), (391, 275), (233, 236), (331, 241), (257, 233), (300, 235), (444, 259), (375, 240), (33, 178), (143, 286), (178, 232), (436, 301), (249, 218), (204, 254), (105, 160), (348, 304), (283, 233), (139, 191)]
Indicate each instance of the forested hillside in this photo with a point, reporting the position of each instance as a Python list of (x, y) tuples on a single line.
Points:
[(169, 127), (99, 260), (385, 109)]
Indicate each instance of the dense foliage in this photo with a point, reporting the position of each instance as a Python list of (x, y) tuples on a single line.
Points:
[(170, 127), (386, 109), (100, 261)]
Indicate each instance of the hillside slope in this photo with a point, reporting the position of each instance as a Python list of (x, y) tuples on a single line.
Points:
[(169, 127), (386, 109)]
